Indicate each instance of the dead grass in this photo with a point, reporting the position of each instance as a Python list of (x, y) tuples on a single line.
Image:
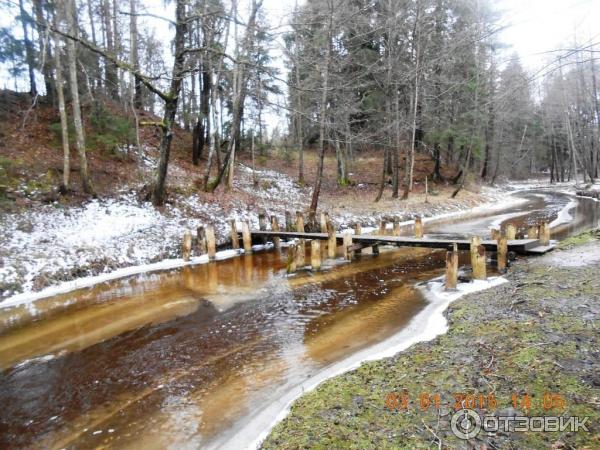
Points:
[(37, 156)]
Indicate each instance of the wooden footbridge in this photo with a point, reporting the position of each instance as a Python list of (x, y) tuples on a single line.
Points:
[(519, 246), (503, 243)]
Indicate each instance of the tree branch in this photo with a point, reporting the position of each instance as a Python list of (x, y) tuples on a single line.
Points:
[(145, 80)]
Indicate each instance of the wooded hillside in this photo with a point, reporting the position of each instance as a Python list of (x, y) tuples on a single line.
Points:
[(399, 78)]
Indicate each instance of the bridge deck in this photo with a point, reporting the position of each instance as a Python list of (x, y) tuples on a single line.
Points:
[(522, 246)]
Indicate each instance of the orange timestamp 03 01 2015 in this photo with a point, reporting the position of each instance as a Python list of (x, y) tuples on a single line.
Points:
[(460, 400)]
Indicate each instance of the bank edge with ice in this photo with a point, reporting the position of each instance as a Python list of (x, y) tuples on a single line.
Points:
[(425, 326)]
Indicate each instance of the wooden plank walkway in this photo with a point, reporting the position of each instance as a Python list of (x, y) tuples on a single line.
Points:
[(521, 246)]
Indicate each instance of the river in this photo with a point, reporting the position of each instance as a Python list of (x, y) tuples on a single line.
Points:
[(203, 356)]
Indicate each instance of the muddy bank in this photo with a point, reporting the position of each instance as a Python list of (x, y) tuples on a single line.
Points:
[(532, 339)]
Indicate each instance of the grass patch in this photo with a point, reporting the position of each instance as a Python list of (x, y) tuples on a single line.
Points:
[(580, 239)]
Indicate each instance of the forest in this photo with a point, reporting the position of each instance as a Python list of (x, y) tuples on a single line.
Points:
[(400, 78)]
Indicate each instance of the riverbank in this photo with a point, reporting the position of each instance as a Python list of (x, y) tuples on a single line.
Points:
[(536, 335), (56, 243)]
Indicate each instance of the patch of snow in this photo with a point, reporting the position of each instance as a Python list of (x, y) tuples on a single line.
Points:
[(87, 243), (564, 216)]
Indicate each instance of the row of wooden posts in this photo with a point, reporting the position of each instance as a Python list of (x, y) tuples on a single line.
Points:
[(296, 254), (541, 232), (205, 240), (477, 251)]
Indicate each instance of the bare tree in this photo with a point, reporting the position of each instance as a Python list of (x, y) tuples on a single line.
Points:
[(326, 65), (239, 94), (64, 126), (79, 132)]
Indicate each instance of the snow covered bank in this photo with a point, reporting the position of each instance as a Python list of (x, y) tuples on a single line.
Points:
[(490, 199), (65, 248), (425, 326), (112, 238)]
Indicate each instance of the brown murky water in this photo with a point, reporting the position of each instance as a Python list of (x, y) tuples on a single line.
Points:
[(183, 358)]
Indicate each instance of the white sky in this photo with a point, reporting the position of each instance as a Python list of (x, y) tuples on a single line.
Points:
[(538, 26)]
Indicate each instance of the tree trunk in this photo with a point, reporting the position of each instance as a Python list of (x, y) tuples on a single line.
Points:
[(410, 157), (64, 126), (396, 147), (437, 175), (383, 176), (201, 130), (120, 87), (135, 60), (239, 96), (79, 133), (300, 136), (341, 162), (97, 72), (46, 54), (597, 110), (212, 143), (28, 50), (489, 129), (322, 116), (112, 79), (158, 192)]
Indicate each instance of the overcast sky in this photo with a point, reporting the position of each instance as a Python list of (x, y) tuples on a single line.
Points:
[(538, 26)]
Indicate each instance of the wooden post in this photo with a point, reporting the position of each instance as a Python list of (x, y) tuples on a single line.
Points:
[(288, 221), (301, 253), (262, 225), (357, 232), (495, 233), (324, 218), (262, 221), (511, 231), (246, 237), (533, 232), (291, 258), (299, 222), (315, 254), (501, 253), (201, 234), (480, 274), (331, 240), (396, 231), (235, 239), (451, 268), (186, 247), (275, 227), (382, 227), (478, 258), (347, 245), (211, 245), (312, 221), (544, 233), (418, 228)]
